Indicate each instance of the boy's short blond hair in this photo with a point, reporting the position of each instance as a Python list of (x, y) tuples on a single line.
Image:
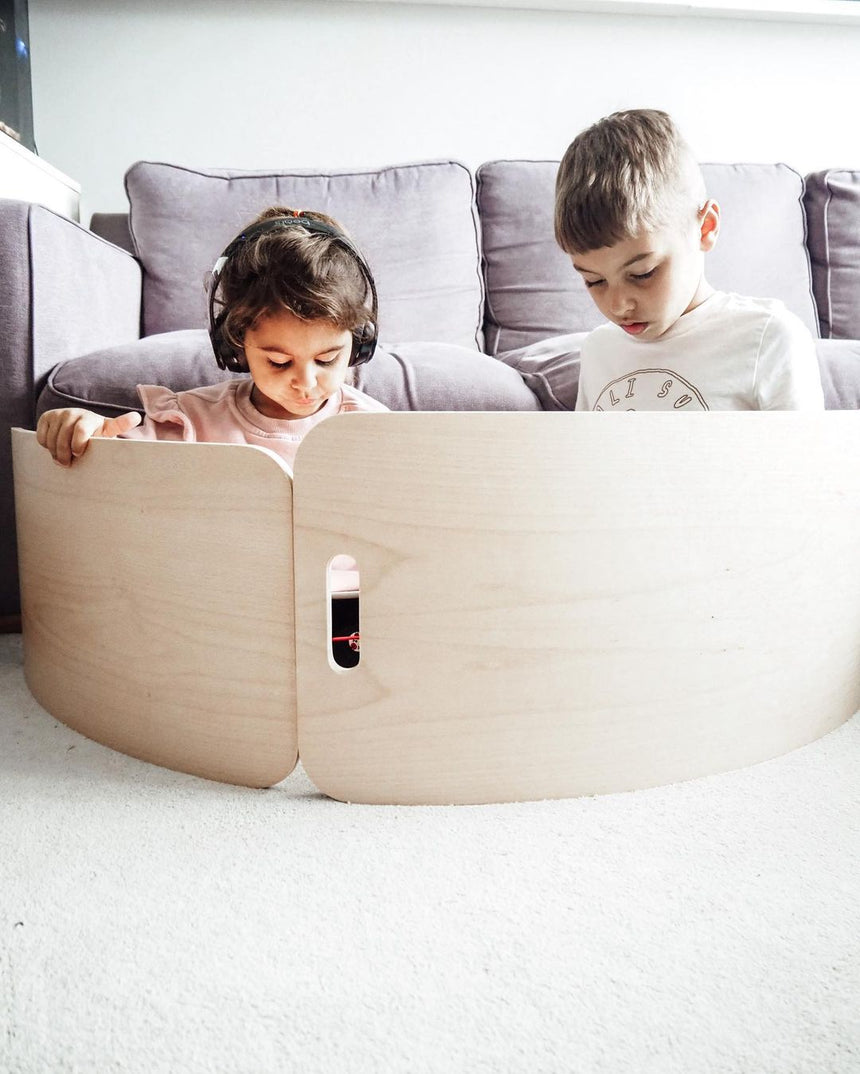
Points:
[(628, 173)]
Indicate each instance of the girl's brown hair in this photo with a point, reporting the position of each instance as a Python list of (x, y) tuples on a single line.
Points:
[(309, 273)]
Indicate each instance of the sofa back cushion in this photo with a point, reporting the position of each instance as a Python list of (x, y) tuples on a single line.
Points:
[(833, 215), (533, 291), (415, 224)]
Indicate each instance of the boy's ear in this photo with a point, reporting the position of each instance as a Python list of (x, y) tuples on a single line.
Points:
[(709, 225)]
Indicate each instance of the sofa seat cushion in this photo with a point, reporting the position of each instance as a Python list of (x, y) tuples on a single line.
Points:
[(833, 214), (533, 292), (551, 369), (442, 376), (106, 380), (410, 376), (415, 224)]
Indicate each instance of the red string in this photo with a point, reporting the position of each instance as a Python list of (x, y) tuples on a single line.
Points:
[(353, 640)]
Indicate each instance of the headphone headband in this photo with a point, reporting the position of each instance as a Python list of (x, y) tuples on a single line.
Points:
[(364, 338), (280, 223)]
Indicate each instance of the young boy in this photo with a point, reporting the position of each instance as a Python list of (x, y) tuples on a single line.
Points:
[(632, 212)]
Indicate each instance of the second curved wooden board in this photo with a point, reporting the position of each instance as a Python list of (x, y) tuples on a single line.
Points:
[(559, 604)]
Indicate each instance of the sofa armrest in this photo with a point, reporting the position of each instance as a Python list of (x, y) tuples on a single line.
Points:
[(63, 292), (86, 292)]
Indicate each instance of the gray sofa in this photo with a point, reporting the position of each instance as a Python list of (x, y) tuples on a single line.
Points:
[(479, 310)]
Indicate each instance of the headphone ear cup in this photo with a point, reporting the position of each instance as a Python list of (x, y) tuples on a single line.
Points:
[(363, 344), (225, 353)]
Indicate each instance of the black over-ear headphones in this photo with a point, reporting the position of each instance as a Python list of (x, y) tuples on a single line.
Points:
[(363, 338)]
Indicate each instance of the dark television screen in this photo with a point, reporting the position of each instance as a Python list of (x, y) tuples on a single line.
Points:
[(16, 95)]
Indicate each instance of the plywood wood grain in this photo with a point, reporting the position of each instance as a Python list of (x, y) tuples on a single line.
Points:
[(157, 589), (558, 604)]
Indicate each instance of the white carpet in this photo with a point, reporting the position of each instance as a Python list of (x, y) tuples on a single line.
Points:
[(152, 922)]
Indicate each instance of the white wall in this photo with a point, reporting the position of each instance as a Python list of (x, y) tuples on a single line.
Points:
[(276, 83)]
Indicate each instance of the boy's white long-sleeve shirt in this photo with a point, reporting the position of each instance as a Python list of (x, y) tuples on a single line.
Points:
[(729, 353)]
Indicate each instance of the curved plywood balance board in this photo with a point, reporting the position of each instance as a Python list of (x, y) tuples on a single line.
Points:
[(157, 592), (557, 604)]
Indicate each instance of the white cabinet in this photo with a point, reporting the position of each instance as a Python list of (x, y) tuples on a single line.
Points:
[(27, 177)]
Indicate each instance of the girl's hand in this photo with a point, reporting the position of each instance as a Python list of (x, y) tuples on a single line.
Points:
[(65, 432)]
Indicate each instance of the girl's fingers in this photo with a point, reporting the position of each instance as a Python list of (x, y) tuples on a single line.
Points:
[(122, 424), (52, 426), (84, 428), (65, 433), (42, 431)]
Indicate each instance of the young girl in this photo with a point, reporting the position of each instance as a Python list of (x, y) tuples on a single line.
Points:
[(297, 308)]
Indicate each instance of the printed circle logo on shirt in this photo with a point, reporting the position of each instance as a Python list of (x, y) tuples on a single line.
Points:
[(650, 389)]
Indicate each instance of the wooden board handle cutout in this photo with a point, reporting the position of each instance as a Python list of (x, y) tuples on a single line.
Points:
[(558, 604)]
